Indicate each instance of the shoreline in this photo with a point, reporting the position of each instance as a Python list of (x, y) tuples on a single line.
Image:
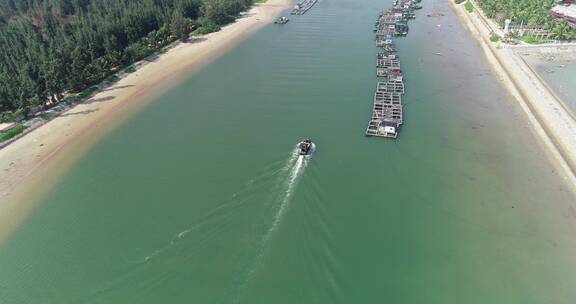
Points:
[(553, 124), (31, 165)]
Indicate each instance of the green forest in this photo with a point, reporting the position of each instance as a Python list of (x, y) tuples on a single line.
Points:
[(52, 48), (528, 12)]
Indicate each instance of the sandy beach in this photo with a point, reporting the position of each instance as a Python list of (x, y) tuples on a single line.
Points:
[(33, 163), (554, 124)]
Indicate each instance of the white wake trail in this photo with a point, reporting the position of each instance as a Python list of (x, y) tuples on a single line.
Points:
[(238, 198), (288, 190), (294, 167)]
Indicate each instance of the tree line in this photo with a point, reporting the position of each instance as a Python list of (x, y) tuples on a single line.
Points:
[(528, 12), (50, 48)]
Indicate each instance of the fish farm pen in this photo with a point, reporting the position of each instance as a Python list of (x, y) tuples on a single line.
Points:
[(302, 7), (387, 114)]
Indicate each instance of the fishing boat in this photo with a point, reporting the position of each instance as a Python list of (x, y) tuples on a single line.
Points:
[(302, 7), (282, 20), (305, 147)]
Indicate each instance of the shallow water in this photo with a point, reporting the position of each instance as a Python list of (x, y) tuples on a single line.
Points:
[(200, 198), (561, 77)]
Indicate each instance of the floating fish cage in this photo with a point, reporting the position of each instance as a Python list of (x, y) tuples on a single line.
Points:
[(387, 110)]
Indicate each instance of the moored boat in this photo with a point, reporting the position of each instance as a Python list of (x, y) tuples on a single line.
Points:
[(282, 20)]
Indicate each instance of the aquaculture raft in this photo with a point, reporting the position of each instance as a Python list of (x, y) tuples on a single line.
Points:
[(302, 7), (387, 114)]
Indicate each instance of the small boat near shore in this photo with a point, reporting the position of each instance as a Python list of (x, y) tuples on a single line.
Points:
[(282, 20)]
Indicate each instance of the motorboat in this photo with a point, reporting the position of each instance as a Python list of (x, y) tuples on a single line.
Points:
[(305, 147), (282, 20)]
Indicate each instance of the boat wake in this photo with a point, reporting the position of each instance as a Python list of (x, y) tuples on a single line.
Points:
[(218, 215), (294, 168), (279, 178)]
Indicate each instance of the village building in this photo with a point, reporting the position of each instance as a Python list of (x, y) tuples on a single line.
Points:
[(566, 11)]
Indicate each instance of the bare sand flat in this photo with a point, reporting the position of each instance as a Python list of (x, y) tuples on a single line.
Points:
[(33, 163), (551, 121)]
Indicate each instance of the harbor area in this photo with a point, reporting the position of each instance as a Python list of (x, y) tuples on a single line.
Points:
[(387, 110), (302, 7)]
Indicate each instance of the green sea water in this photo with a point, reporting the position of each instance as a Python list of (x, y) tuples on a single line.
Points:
[(198, 198)]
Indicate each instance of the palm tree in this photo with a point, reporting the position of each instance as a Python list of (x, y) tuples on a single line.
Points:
[(561, 31)]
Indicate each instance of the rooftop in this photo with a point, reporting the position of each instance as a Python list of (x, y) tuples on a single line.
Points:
[(568, 11)]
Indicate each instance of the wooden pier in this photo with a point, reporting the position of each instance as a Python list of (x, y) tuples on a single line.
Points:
[(387, 110), (302, 7)]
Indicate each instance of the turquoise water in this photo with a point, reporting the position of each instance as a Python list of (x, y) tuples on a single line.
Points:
[(199, 199)]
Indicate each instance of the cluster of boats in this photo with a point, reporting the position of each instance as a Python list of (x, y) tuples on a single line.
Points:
[(387, 115), (394, 22), (302, 7), (299, 9)]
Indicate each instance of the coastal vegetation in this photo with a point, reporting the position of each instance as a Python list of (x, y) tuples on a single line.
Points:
[(51, 49), (528, 12), (532, 39), (469, 7), (494, 37), (10, 133), (562, 31)]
